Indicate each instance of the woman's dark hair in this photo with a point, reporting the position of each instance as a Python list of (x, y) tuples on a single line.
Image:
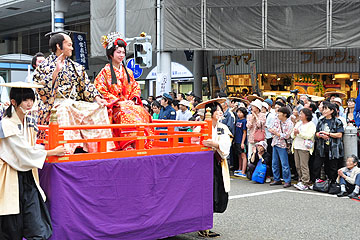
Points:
[(281, 104), (110, 53), (56, 39), (243, 110), (285, 111), (213, 107), (156, 104), (34, 59), (19, 95), (330, 106), (308, 113)]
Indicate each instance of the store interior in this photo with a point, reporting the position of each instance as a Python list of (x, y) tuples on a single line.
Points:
[(280, 84)]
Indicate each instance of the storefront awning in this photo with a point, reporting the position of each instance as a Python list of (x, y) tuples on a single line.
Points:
[(178, 72)]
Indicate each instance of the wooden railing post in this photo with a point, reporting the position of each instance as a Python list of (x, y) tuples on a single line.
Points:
[(140, 140), (53, 134), (206, 131), (173, 142)]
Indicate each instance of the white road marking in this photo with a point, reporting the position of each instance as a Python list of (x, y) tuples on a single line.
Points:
[(282, 190), (256, 194)]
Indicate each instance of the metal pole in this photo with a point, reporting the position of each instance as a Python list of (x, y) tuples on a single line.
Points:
[(121, 17), (198, 71), (53, 15), (158, 44)]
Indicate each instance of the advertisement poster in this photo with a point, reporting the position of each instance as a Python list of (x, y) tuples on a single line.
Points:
[(221, 76), (253, 73)]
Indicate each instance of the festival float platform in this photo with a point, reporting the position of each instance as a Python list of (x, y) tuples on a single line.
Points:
[(137, 194)]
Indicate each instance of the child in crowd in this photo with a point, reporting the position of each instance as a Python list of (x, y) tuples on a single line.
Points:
[(240, 141)]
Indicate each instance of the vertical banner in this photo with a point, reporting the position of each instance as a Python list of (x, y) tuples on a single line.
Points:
[(80, 48), (221, 76), (253, 73)]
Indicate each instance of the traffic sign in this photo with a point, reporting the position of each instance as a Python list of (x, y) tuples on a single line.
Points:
[(135, 68)]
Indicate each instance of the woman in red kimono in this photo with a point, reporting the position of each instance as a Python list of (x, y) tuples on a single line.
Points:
[(117, 85)]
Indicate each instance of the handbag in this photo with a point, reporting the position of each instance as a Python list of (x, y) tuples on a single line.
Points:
[(259, 134), (321, 186), (334, 188), (308, 143), (259, 174), (287, 141)]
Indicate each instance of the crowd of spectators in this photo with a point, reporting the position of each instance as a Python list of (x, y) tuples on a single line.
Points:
[(299, 139)]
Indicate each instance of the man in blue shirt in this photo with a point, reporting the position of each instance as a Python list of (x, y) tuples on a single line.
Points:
[(167, 112)]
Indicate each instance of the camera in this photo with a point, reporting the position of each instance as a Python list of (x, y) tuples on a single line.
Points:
[(295, 91)]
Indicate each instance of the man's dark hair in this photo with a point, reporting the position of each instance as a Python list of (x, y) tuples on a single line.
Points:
[(156, 104), (243, 110), (175, 103), (313, 107), (34, 59), (56, 39), (281, 104), (182, 95), (285, 111), (308, 113)]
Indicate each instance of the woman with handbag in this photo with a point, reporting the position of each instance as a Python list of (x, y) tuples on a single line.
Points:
[(118, 87), (260, 155), (303, 145), (281, 131), (255, 125), (329, 143)]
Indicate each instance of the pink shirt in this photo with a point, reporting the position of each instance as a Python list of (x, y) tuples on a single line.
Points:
[(254, 124)]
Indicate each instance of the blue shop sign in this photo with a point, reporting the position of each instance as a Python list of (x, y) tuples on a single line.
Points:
[(81, 53)]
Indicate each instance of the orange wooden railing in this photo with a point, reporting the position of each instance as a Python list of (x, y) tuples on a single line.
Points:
[(55, 137)]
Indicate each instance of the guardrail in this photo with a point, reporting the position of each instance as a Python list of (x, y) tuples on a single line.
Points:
[(191, 141)]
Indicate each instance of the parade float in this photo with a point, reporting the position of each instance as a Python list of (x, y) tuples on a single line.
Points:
[(135, 194)]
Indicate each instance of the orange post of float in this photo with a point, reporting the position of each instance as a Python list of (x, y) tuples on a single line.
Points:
[(53, 134), (140, 140)]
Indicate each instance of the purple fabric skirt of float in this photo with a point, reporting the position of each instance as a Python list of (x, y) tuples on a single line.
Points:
[(130, 198)]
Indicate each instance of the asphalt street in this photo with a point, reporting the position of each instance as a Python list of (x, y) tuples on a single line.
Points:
[(258, 211)]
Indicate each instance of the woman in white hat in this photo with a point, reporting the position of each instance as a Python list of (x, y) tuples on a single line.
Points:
[(260, 155), (23, 213), (255, 125)]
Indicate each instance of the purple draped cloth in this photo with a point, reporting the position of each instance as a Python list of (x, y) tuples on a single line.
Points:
[(130, 198)]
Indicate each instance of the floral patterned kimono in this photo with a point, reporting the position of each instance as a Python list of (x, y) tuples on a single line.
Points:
[(73, 96), (125, 106)]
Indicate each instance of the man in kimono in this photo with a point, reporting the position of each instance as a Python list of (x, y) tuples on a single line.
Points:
[(68, 89)]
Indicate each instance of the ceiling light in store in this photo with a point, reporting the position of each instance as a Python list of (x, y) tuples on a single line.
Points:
[(278, 79)]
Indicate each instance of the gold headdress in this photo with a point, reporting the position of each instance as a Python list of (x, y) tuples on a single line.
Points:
[(108, 40)]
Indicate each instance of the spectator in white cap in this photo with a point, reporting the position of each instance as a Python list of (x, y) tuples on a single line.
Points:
[(183, 114), (255, 125), (260, 155)]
